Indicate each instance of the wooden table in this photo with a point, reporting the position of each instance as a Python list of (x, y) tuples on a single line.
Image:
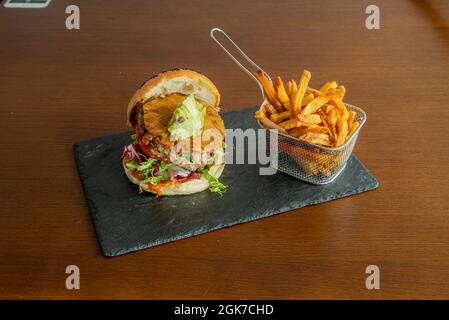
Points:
[(58, 86)]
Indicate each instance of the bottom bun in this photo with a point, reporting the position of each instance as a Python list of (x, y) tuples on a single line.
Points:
[(171, 188)]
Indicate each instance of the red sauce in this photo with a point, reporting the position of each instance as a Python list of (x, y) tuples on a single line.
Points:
[(157, 188)]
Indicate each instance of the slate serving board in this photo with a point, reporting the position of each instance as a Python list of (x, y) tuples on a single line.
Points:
[(127, 221)]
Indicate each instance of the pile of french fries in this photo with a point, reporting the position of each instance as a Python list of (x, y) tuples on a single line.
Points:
[(316, 116)]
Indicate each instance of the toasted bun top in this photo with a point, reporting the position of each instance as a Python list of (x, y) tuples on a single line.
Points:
[(182, 81)]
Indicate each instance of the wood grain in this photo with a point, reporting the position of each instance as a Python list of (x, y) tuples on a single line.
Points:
[(58, 86)]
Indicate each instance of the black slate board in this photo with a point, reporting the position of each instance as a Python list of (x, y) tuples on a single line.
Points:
[(127, 221)]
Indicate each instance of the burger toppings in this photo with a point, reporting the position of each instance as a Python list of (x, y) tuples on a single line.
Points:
[(154, 172), (168, 114), (144, 167), (187, 120)]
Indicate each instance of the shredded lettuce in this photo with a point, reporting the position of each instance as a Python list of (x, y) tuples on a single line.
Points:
[(146, 168), (164, 166), (154, 180), (131, 165), (161, 174), (146, 164), (215, 185)]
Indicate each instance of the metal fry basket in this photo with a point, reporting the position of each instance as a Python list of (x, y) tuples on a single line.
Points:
[(310, 162), (306, 161)]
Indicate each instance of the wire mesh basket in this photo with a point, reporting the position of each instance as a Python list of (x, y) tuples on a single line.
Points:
[(310, 162)]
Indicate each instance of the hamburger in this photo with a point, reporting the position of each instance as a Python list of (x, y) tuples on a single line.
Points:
[(178, 141)]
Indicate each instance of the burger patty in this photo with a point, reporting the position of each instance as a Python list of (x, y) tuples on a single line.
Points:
[(155, 116)]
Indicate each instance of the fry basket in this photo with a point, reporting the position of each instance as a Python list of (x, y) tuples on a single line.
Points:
[(303, 160), (310, 162)]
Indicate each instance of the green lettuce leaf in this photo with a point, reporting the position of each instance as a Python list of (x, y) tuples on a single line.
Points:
[(145, 168), (154, 180), (131, 165), (215, 185)]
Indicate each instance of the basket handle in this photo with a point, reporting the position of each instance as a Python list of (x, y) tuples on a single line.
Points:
[(240, 51)]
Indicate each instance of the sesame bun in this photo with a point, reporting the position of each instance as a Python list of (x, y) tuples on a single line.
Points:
[(183, 81)]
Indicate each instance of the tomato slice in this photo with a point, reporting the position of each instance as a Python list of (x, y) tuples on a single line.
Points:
[(143, 146)]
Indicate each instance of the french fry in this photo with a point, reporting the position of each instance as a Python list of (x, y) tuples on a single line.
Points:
[(342, 134), (294, 89), (298, 97), (332, 115), (269, 90), (327, 86), (333, 94), (337, 94), (317, 138), (337, 98), (281, 93), (297, 132), (332, 118), (341, 120), (270, 109), (290, 124), (259, 115), (342, 129), (354, 127), (316, 128), (280, 117), (267, 123), (315, 104), (327, 107), (288, 88), (313, 91), (331, 130), (351, 118), (307, 98), (309, 118)]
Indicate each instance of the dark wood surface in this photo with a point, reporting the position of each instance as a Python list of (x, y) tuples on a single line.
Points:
[(59, 86)]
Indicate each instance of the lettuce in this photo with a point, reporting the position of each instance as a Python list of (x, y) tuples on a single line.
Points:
[(154, 180), (147, 167), (215, 185), (131, 165)]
